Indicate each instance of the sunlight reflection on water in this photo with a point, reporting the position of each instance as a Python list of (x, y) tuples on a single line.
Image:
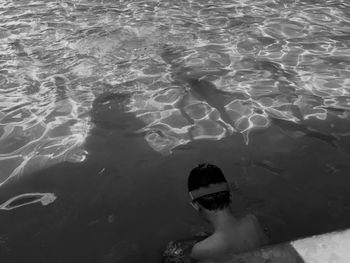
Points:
[(194, 70)]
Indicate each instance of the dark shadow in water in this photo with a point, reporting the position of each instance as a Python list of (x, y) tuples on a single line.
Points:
[(263, 164), (108, 112), (200, 88), (206, 91), (290, 126), (96, 216), (126, 201)]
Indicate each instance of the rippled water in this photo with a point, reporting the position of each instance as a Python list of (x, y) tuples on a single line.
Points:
[(191, 70), (187, 70)]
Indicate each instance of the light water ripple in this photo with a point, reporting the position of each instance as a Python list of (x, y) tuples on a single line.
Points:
[(193, 70)]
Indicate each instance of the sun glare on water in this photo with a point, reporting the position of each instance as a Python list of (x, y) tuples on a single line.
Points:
[(193, 70)]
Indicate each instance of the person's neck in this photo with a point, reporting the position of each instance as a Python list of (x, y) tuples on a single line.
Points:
[(221, 219)]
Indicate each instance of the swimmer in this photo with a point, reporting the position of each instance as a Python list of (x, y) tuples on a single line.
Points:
[(210, 196)]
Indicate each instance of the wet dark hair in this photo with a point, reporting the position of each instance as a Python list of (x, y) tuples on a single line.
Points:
[(203, 175)]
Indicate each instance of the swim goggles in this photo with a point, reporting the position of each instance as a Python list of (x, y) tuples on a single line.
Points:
[(210, 189)]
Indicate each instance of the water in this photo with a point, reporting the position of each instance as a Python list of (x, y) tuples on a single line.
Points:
[(105, 106)]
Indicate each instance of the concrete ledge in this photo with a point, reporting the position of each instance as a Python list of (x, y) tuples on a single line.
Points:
[(332, 247)]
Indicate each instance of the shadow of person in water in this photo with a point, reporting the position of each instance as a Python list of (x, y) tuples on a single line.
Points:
[(86, 193), (202, 88), (89, 196)]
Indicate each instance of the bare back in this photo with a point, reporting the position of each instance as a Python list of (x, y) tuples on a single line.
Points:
[(243, 235)]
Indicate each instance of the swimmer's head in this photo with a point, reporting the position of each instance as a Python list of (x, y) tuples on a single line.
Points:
[(208, 188)]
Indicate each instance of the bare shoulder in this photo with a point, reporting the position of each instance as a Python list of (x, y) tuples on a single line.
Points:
[(258, 228), (199, 251), (206, 249)]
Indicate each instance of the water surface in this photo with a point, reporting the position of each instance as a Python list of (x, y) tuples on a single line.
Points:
[(109, 104)]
